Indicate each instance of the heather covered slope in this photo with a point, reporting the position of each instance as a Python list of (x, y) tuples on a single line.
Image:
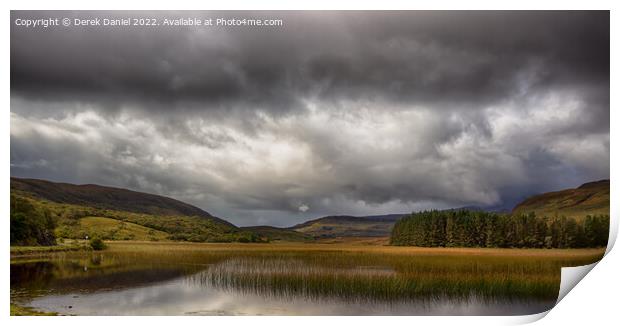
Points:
[(110, 213), (589, 199), (108, 198)]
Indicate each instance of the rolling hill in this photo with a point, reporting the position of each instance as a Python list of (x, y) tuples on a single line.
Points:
[(119, 214), (278, 234), (588, 199), (348, 226), (108, 198)]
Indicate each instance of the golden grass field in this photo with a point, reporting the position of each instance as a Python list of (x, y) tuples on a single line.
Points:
[(353, 245)]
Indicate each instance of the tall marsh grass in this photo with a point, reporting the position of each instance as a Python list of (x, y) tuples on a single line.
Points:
[(375, 273), (358, 272)]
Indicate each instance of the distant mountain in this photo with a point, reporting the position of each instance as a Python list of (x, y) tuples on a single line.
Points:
[(489, 209), (349, 226), (277, 234), (384, 218), (588, 199), (108, 198)]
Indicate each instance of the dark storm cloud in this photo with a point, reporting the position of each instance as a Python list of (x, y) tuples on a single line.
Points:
[(465, 58), (334, 112)]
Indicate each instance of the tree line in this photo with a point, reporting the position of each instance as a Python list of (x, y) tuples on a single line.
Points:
[(463, 228), (31, 225)]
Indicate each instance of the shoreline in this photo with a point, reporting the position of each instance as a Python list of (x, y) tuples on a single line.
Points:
[(33, 251), (20, 310)]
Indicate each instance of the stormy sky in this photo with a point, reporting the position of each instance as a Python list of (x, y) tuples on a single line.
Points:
[(332, 113)]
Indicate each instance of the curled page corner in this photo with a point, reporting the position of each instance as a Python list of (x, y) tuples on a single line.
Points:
[(613, 232), (571, 276), (528, 319)]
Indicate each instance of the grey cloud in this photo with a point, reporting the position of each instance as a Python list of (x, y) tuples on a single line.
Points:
[(344, 112), (466, 58)]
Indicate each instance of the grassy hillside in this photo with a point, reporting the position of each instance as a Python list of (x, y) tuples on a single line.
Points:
[(348, 226), (278, 234), (589, 199), (108, 198), (112, 229), (139, 216)]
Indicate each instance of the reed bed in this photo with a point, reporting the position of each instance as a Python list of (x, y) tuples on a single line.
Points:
[(287, 277), (363, 272), (358, 272)]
